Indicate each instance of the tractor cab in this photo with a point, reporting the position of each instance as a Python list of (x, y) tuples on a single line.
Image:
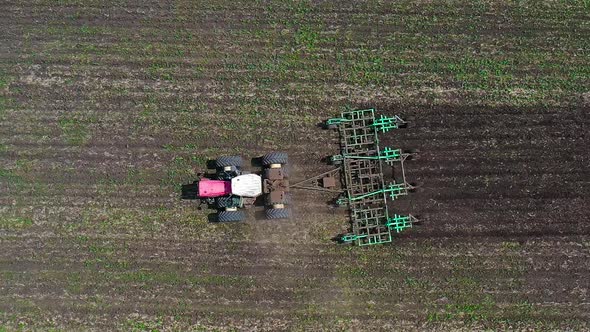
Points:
[(247, 185)]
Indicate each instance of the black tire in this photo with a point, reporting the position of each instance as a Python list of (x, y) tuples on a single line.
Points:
[(224, 202), (225, 161), (275, 158), (278, 213), (230, 216)]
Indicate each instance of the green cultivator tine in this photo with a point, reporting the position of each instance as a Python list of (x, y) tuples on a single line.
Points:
[(387, 154), (335, 159), (335, 121), (385, 123), (348, 238), (390, 155), (399, 223), (396, 189), (342, 201)]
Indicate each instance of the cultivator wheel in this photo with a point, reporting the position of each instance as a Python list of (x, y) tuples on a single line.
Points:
[(230, 216), (281, 213), (275, 158), (229, 161)]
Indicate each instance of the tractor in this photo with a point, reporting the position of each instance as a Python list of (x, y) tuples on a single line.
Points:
[(232, 188)]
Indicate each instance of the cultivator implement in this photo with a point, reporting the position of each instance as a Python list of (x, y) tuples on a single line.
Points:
[(365, 191)]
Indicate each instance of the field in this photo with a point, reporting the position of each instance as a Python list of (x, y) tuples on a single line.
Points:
[(108, 107)]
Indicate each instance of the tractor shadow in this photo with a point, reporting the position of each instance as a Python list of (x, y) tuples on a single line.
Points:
[(213, 218), (338, 238), (256, 162), (190, 191)]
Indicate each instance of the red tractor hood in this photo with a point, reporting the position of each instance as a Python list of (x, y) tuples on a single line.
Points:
[(214, 188)]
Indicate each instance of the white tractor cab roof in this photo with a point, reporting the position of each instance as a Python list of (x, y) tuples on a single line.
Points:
[(247, 185)]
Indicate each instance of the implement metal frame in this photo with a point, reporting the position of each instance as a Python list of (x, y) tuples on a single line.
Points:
[(365, 190)]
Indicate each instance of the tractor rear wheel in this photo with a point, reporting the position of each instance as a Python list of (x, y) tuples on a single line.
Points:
[(275, 158), (225, 161), (229, 216), (284, 213)]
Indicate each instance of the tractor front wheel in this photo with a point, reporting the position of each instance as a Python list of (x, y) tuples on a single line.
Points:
[(275, 158), (226, 202), (229, 216), (226, 161), (284, 213)]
